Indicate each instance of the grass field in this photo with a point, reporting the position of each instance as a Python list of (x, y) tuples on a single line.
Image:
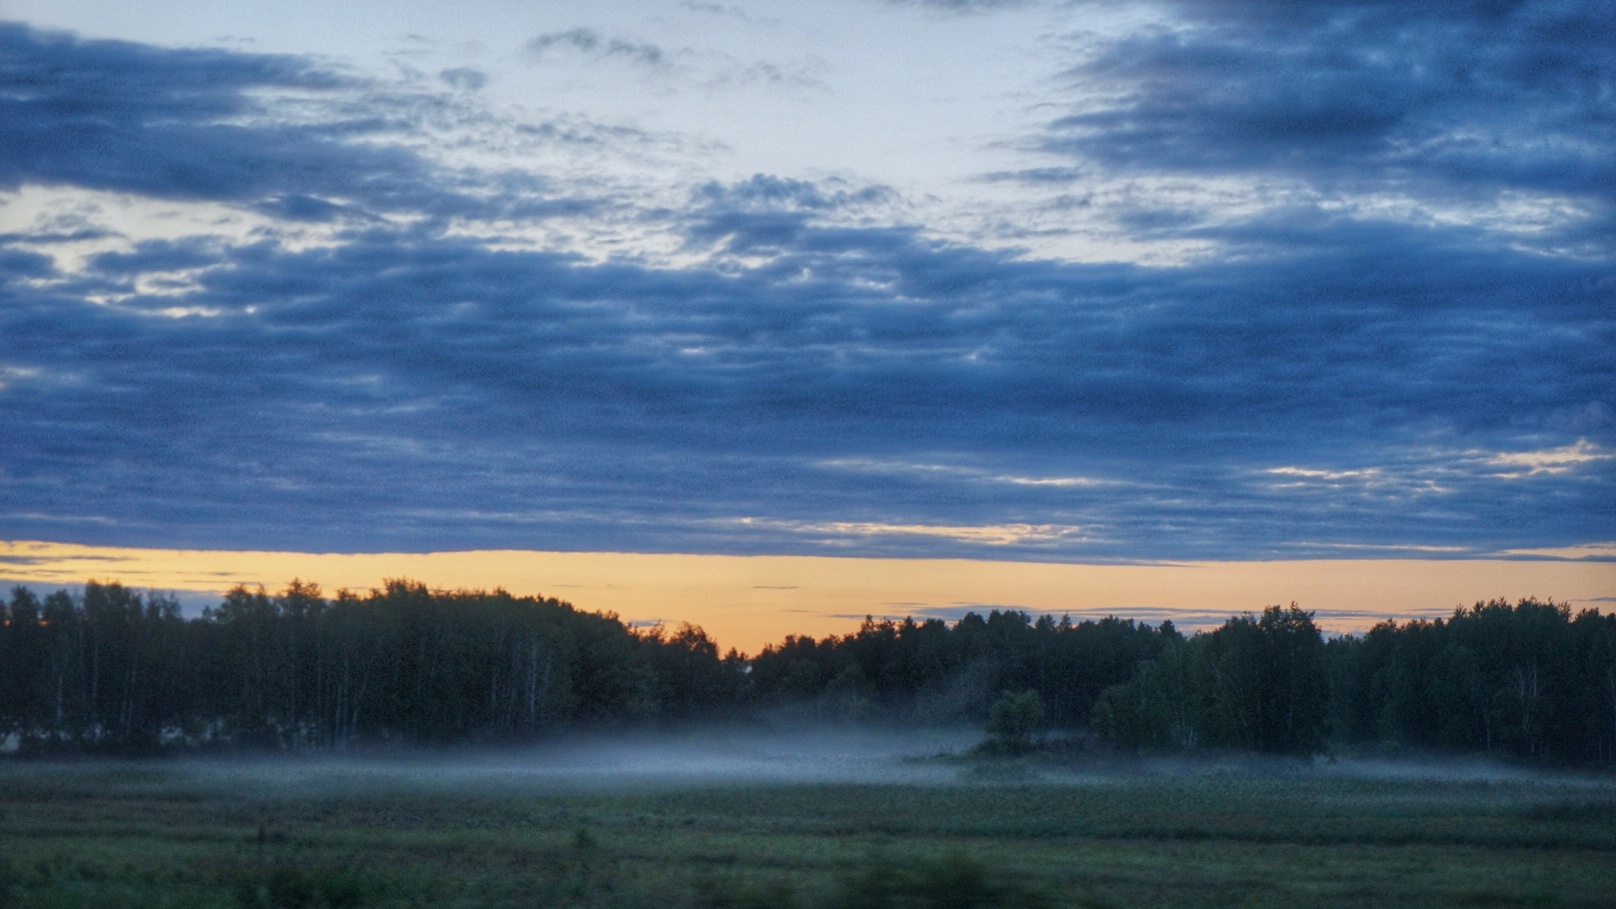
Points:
[(387, 833)]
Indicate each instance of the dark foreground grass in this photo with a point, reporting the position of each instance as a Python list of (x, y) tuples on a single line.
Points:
[(322, 835)]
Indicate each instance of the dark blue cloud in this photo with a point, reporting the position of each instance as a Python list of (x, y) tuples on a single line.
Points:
[(17, 263), (1331, 384), (397, 392), (203, 125), (1445, 103), (69, 114)]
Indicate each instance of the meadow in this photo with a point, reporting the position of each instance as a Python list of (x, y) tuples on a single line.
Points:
[(529, 829)]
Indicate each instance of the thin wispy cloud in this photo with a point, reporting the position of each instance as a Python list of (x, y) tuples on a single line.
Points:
[(592, 43)]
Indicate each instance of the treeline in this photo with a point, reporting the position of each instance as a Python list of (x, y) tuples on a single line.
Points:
[(1523, 681), (114, 668), (117, 669), (1526, 681)]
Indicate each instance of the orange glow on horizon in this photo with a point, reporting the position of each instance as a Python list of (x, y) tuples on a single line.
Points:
[(748, 601)]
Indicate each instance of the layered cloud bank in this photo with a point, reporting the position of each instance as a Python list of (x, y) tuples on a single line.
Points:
[(1255, 281)]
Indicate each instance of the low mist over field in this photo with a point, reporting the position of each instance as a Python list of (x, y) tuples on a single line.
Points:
[(754, 756), (713, 757)]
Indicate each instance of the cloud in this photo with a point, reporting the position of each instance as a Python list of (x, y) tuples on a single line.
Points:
[(275, 133), (693, 67), (953, 472), (1476, 107), (769, 193), (1563, 459), (592, 43), (714, 9), (69, 118), (464, 77), (858, 532), (396, 389), (806, 359), (1592, 551), (963, 6), (16, 263)]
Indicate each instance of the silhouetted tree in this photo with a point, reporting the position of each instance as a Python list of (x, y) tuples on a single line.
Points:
[(1013, 719)]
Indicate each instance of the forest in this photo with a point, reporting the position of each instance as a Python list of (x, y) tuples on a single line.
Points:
[(117, 670)]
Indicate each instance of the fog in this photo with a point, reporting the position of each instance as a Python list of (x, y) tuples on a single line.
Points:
[(707, 757), (743, 756)]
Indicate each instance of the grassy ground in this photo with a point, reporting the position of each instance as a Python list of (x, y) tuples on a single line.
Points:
[(294, 835)]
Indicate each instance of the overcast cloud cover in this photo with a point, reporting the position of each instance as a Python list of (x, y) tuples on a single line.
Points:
[(1226, 280)]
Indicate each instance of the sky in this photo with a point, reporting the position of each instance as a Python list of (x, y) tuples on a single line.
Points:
[(905, 284)]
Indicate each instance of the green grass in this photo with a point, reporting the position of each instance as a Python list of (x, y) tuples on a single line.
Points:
[(294, 835)]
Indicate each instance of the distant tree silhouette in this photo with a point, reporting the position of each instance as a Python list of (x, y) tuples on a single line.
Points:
[(112, 668)]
